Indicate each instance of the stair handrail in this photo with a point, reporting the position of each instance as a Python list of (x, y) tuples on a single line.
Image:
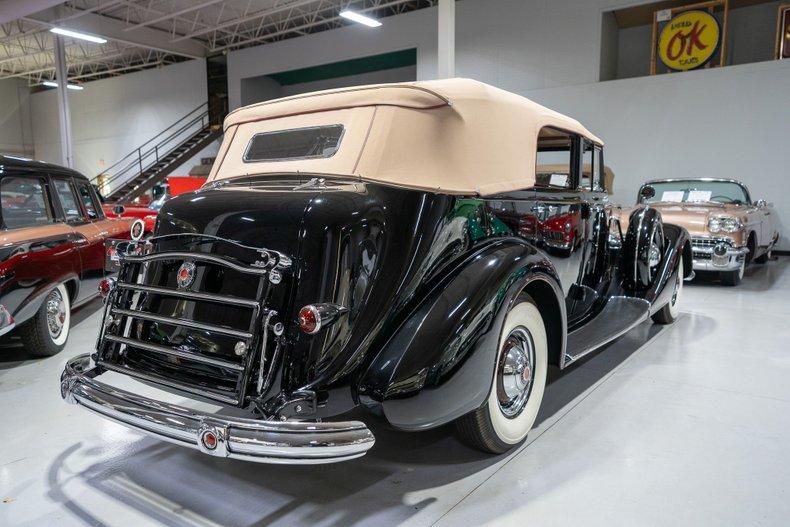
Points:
[(135, 158)]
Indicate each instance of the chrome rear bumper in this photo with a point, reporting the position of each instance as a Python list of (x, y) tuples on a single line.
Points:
[(238, 438)]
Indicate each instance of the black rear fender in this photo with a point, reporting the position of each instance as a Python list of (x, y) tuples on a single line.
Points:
[(438, 364)]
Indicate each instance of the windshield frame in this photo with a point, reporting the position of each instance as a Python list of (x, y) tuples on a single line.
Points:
[(748, 194)]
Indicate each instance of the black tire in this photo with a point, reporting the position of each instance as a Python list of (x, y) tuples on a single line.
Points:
[(732, 278), (669, 313), (37, 339), (489, 428)]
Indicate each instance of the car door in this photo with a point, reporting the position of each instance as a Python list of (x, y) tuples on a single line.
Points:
[(594, 276), (555, 214), (90, 237), (37, 248)]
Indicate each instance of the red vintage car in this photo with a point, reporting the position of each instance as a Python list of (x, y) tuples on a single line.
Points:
[(129, 210), (52, 250)]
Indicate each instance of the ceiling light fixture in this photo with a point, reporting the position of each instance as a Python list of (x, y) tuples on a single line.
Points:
[(50, 84), (77, 34), (360, 19)]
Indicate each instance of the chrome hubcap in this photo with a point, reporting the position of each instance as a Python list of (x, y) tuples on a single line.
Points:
[(515, 372), (56, 313)]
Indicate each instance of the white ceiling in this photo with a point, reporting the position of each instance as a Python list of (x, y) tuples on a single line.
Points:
[(149, 33)]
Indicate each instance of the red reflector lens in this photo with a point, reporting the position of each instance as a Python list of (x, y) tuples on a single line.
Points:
[(309, 320), (105, 286), (210, 440)]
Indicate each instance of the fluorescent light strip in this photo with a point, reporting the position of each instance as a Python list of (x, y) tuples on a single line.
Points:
[(77, 34), (51, 84), (360, 19)]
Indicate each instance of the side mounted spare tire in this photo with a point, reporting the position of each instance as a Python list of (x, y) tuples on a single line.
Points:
[(517, 387), (644, 247)]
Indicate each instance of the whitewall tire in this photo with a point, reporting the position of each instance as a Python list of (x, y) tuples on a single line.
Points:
[(517, 386), (669, 313), (47, 332)]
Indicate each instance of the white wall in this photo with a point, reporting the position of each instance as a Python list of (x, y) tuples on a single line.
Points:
[(730, 122), (111, 117), (16, 135)]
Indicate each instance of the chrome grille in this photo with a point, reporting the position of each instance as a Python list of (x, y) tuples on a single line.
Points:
[(709, 242)]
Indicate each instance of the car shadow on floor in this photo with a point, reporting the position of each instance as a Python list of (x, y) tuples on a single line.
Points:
[(173, 485), (13, 353), (756, 277)]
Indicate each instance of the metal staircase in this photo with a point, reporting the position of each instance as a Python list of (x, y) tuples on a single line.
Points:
[(158, 157)]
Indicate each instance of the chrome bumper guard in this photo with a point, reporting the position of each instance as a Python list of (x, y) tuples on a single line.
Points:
[(285, 442), (730, 261)]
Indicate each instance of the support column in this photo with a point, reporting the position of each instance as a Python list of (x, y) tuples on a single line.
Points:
[(446, 63), (61, 72)]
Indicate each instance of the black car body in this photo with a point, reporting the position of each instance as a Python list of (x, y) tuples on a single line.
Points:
[(300, 296)]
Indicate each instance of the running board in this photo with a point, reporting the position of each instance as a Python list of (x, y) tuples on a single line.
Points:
[(620, 314)]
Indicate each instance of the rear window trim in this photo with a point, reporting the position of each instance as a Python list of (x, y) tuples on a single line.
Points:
[(247, 159)]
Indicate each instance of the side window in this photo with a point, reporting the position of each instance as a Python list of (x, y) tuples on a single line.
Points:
[(89, 201), (599, 172), (68, 200), (554, 159), (588, 164), (24, 202)]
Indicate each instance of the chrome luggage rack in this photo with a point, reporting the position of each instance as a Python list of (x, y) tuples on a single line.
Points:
[(123, 307)]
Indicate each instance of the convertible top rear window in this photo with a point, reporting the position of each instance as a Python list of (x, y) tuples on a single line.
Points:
[(298, 143)]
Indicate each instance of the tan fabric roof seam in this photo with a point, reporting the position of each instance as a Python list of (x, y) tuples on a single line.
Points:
[(342, 90)]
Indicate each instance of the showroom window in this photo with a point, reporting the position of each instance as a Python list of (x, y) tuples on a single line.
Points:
[(24, 202), (68, 200), (553, 159)]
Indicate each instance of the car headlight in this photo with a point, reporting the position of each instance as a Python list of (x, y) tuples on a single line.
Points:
[(725, 224)]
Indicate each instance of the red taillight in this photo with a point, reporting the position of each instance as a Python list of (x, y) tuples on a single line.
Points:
[(309, 319), (105, 287)]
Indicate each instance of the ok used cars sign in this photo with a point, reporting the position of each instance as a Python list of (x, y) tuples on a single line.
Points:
[(689, 40)]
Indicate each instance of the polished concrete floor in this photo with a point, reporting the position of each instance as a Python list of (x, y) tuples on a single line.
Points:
[(683, 425)]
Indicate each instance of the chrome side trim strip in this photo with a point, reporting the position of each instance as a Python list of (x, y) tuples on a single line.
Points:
[(178, 255), (156, 348), (165, 382), (191, 295), (285, 442), (182, 322)]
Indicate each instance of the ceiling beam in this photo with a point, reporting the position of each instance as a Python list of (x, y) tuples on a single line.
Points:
[(113, 29), (14, 9), (174, 14), (246, 18), (308, 25)]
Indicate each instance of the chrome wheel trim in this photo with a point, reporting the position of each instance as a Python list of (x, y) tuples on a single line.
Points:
[(742, 269), (56, 313), (515, 372), (678, 285)]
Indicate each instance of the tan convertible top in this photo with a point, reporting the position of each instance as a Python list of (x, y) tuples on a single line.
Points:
[(455, 136)]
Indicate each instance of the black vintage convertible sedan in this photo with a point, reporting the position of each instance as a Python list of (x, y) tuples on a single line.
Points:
[(362, 247)]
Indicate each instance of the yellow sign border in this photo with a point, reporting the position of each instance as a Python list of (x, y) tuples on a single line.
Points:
[(703, 14)]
